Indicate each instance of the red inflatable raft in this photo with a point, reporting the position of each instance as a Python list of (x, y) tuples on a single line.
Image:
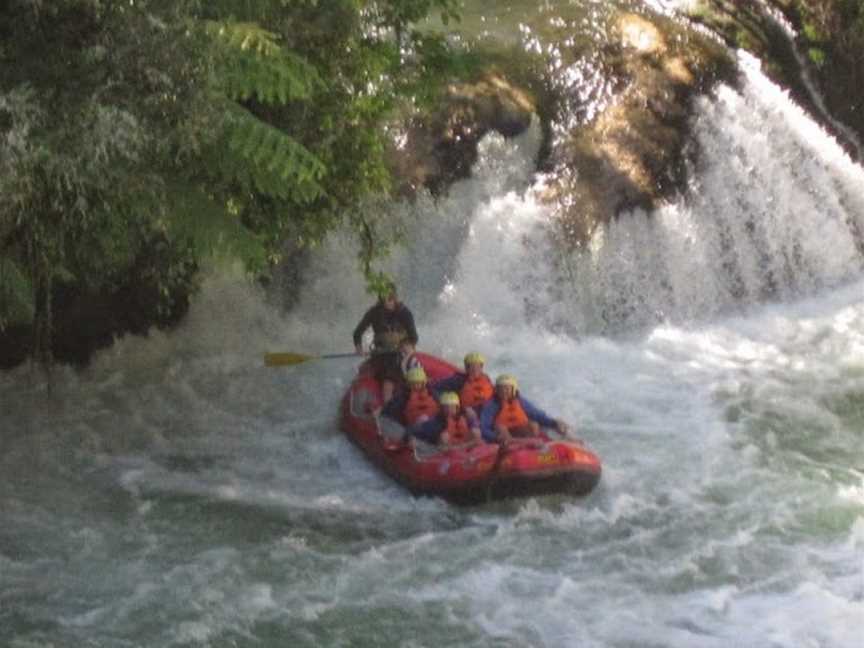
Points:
[(464, 474)]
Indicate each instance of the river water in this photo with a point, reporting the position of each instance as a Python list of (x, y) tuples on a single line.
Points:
[(178, 493)]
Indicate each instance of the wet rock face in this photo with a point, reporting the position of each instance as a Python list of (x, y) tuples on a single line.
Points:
[(631, 153), (615, 137), (435, 150)]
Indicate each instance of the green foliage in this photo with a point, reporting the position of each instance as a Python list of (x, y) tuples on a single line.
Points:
[(833, 32), (379, 284), (817, 56), (255, 66), (268, 161), (811, 32), (832, 22), (400, 14), (138, 138), (78, 139), (16, 291), (210, 231)]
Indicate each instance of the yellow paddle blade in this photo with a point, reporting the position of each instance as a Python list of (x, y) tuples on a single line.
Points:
[(285, 359)]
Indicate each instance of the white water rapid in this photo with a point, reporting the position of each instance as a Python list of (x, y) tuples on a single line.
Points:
[(178, 493)]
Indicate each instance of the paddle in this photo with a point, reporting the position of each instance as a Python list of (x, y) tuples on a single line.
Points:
[(287, 358)]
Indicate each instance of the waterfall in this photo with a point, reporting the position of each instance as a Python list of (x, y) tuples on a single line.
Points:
[(178, 493), (774, 211)]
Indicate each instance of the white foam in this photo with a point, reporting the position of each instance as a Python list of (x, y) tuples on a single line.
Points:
[(724, 414)]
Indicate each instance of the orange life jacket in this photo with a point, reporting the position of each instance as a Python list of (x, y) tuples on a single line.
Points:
[(511, 415), (476, 391), (457, 429), (420, 403)]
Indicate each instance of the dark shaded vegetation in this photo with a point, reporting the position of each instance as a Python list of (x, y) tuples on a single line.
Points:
[(138, 139), (832, 34), (631, 152), (830, 37)]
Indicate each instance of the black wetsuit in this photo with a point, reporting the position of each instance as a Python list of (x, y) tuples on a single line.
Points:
[(399, 323)]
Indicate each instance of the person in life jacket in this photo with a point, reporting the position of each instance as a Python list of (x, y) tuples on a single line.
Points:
[(474, 387), (509, 415), (418, 405), (394, 339), (451, 427)]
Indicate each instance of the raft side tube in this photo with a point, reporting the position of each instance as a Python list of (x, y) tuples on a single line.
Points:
[(464, 474)]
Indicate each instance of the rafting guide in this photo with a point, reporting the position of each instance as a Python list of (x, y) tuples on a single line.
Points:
[(394, 339)]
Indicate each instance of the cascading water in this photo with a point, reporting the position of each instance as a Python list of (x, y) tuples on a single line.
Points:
[(775, 211), (179, 494)]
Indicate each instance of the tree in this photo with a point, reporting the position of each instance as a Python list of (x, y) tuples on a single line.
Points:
[(137, 138)]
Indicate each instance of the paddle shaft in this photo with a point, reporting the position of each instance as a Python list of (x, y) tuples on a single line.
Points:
[(288, 358)]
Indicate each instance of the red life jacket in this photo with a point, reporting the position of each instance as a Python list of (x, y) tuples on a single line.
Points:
[(511, 415), (476, 391), (457, 429), (420, 403)]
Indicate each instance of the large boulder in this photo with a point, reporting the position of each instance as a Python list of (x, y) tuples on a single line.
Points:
[(435, 149), (615, 137), (630, 153)]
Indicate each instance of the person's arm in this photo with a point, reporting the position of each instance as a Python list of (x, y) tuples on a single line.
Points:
[(408, 323), (450, 383), (536, 414), (428, 431), (487, 421), (364, 324), (471, 417), (474, 426), (394, 407), (473, 423)]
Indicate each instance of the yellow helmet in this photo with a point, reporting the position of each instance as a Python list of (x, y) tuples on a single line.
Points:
[(506, 379), (449, 398), (474, 358), (415, 375)]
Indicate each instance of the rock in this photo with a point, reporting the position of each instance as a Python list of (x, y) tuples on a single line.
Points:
[(435, 150), (631, 153)]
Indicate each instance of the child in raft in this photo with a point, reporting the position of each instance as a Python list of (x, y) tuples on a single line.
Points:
[(474, 387), (508, 415), (452, 426)]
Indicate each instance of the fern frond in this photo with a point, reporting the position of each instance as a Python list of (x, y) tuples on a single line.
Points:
[(211, 229), (270, 161), (245, 36), (255, 65)]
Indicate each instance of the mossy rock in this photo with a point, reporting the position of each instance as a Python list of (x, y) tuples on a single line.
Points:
[(631, 154), (441, 147)]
